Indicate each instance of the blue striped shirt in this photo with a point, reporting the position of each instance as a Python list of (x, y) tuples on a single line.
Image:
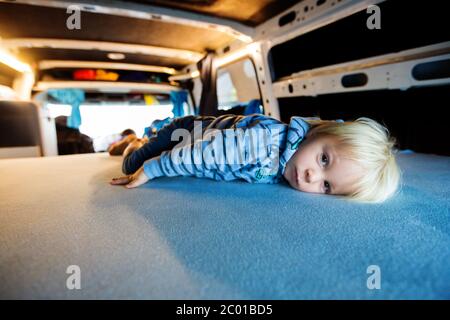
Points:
[(254, 148)]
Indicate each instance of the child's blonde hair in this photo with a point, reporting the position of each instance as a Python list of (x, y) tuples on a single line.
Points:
[(369, 144)]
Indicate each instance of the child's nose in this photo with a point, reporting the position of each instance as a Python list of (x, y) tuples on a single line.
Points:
[(311, 176)]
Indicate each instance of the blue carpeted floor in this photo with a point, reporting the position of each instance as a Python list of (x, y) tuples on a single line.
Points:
[(187, 238)]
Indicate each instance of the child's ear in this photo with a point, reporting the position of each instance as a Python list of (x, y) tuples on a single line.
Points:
[(311, 133)]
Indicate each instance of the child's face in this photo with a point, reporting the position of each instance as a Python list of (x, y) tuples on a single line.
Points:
[(317, 166)]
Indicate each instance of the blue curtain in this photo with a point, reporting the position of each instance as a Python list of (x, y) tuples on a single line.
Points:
[(178, 98), (74, 97)]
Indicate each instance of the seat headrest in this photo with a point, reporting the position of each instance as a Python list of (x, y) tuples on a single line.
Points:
[(19, 124)]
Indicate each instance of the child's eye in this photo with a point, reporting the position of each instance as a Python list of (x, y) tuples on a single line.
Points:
[(324, 159), (327, 187)]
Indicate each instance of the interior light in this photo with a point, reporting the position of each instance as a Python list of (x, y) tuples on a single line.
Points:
[(116, 56), (13, 63)]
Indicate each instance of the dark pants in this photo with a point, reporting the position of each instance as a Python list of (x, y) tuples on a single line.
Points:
[(161, 142)]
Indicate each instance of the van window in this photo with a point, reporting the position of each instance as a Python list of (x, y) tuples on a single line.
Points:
[(237, 84), (101, 121)]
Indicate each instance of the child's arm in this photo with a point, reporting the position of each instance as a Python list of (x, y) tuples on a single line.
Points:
[(162, 141), (167, 165)]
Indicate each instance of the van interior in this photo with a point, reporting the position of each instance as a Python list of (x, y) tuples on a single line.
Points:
[(75, 74)]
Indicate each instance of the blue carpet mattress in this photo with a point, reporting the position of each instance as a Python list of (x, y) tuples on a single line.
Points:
[(187, 238)]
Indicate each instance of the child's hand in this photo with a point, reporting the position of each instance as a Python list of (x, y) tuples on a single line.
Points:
[(131, 181)]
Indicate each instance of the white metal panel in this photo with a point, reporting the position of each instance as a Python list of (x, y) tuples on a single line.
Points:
[(259, 56), (314, 18), (387, 76)]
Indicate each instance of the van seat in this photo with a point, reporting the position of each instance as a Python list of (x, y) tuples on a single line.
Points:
[(19, 129)]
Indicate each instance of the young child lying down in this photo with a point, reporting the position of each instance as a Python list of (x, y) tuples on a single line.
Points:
[(352, 159)]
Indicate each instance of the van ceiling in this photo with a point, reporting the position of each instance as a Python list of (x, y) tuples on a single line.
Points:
[(248, 12), (31, 21), (26, 21)]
